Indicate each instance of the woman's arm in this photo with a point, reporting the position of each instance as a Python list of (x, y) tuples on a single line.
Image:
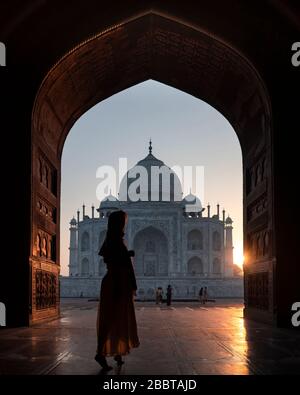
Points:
[(132, 277), (115, 252), (131, 253)]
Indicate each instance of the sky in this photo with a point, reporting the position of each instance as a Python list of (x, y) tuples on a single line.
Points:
[(184, 130)]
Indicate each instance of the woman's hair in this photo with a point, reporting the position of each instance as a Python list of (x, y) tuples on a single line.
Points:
[(116, 225), (115, 232)]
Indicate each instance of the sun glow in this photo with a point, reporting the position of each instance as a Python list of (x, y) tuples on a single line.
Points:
[(238, 256)]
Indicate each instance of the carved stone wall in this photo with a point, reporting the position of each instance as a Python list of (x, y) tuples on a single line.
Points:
[(47, 174), (45, 289), (258, 290), (44, 260), (258, 217), (45, 245), (46, 209)]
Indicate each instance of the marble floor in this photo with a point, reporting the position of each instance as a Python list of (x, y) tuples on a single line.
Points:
[(185, 338)]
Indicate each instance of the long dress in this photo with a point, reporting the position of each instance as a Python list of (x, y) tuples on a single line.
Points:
[(116, 322)]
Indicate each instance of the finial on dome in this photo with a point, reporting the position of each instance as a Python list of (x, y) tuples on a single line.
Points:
[(150, 146)]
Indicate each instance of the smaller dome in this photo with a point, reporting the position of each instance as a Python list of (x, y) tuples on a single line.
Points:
[(73, 221), (228, 221), (109, 201), (192, 203)]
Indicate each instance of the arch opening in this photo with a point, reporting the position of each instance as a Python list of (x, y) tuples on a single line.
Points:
[(151, 249), (195, 240), (170, 51), (195, 266)]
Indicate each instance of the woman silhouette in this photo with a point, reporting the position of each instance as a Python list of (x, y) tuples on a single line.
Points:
[(116, 323)]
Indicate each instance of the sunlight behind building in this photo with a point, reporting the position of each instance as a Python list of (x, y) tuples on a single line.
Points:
[(238, 255)]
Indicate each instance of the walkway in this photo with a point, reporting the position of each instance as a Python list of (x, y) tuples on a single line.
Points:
[(183, 339)]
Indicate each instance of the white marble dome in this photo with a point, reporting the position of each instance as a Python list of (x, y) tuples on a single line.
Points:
[(150, 180), (192, 203), (109, 202)]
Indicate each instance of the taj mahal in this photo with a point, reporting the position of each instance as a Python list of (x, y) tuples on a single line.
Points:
[(176, 241)]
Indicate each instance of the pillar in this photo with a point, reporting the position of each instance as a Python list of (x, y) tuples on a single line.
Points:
[(228, 249), (73, 248)]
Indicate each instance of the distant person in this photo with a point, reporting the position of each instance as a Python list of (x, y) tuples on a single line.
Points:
[(201, 295), (205, 295), (157, 294), (169, 295), (160, 295), (116, 322)]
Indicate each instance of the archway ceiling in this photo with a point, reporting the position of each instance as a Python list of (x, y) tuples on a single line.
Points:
[(149, 46), (48, 29)]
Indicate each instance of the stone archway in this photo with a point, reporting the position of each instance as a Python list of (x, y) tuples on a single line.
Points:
[(174, 52)]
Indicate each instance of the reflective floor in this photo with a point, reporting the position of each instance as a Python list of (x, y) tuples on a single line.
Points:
[(185, 338)]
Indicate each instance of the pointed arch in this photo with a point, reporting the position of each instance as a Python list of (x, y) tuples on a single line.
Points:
[(85, 241), (85, 267), (195, 266), (216, 241), (195, 240), (151, 248)]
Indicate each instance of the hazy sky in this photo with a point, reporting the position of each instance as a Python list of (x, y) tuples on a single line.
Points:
[(184, 131)]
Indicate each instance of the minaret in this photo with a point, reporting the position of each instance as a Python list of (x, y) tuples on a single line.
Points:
[(228, 248), (93, 260), (73, 248)]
